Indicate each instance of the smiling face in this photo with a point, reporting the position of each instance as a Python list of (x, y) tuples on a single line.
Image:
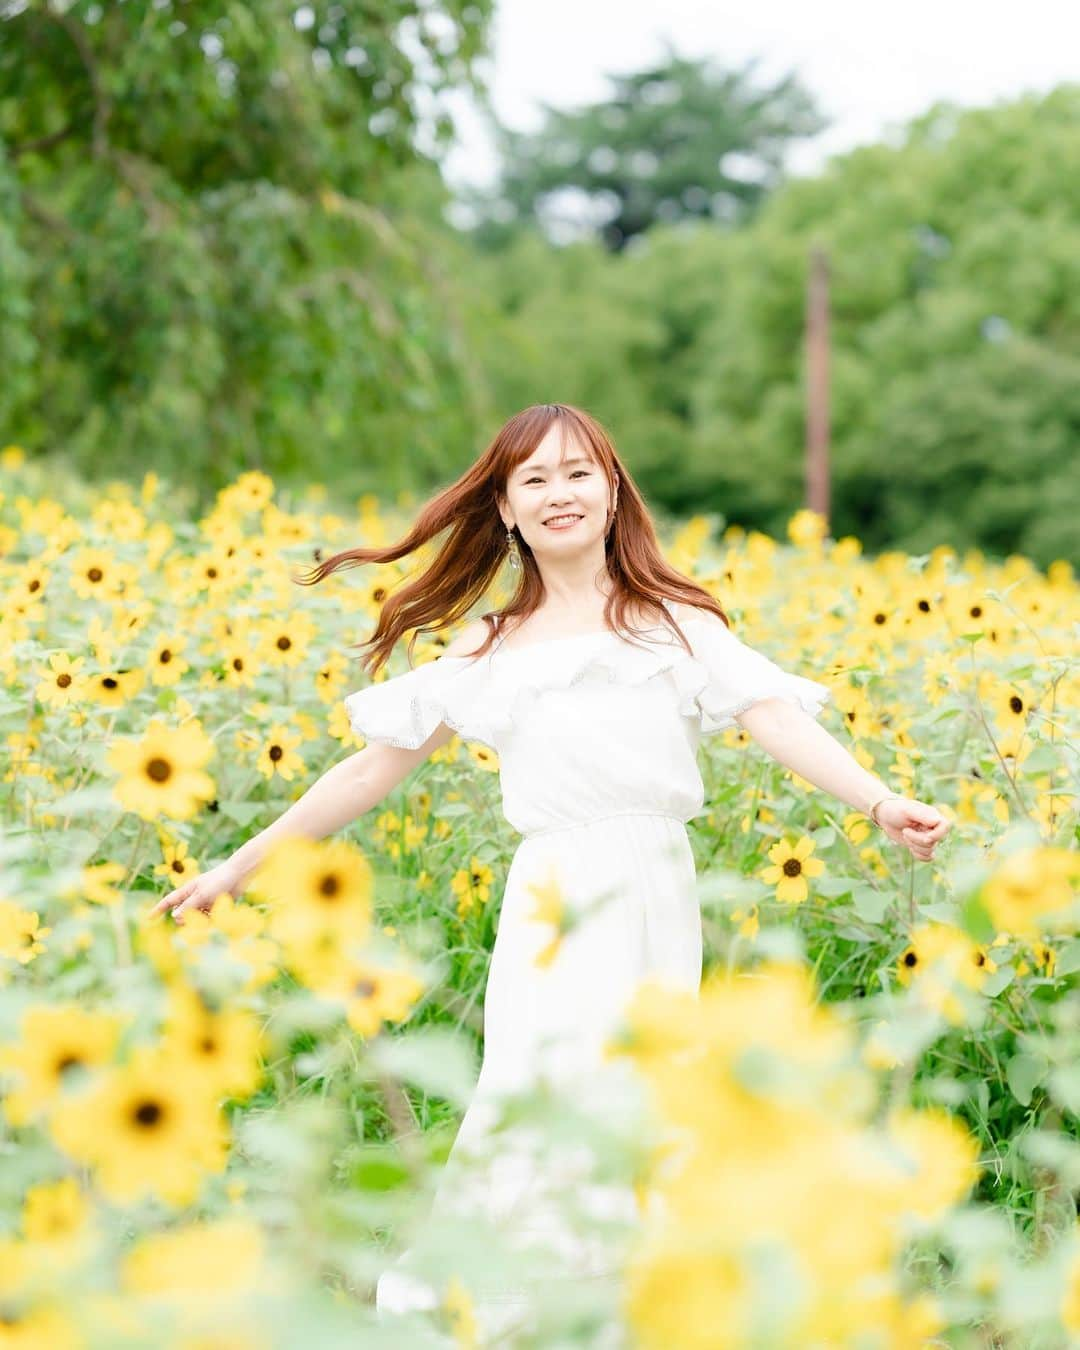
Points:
[(554, 482)]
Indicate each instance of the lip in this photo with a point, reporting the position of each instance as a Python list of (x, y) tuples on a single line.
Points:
[(568, 526)]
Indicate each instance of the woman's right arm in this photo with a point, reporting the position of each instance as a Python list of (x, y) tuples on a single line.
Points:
[(346, 790)]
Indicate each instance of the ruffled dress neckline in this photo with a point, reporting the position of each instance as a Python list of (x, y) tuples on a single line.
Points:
[(500, 650), (491, 698)]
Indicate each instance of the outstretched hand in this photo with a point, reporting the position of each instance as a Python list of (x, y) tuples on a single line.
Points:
[(916, 825), (200, 892)]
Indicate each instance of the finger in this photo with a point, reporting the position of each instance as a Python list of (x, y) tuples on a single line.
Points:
[(191, 900), (167, 901)]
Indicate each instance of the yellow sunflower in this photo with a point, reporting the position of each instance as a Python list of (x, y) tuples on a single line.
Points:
[(1011, 705), (792, 864), (162, 773), (550, 909), (147, 1128), (472, 886), (1033, 891), (62, 683), (286, 642), (97, 882), (190, 1263), (58, 1219), (113, 688), (94, 573), (240, 663), (278, 755), (21, 932), (166, 666), (313, 885), (379, 994), (58, 1045), (222, 1048)]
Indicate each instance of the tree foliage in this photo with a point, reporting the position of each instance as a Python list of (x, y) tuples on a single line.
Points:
[(678, 140), (955, 339), (216, 252), (202, 280)]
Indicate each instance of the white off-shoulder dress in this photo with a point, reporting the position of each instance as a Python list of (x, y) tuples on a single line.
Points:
[(597, 740)]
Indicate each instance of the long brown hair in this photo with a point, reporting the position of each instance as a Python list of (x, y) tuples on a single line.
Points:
[(475, 548)]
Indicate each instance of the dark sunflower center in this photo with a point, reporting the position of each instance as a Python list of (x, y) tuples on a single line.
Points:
[(95, 574), (330, 886), (792, 867), (1016, 704), (910, 959), (165, 656), (158, 769), (148, 1114), (238, 663), (284, 643), (63, 681), (276, 752), (109, 682)]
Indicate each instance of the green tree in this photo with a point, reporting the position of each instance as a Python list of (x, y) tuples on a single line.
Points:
[(216, 246), (679, 140), (955, 270), (955, 330)]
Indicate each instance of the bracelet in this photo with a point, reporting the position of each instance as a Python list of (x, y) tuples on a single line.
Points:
[(875, 805)]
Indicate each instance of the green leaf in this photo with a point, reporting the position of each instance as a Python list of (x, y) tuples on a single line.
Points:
[(943, 911), (1068, 959), (243, 813), (1064, 1086), (870, 903), (1023, 1073), (835, 886), (378, 1167), (435, 1059), (998, 980), (1042, 758), (975, 920), (85, 801)]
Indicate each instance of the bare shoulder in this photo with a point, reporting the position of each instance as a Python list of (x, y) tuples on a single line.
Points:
[(469, 640)]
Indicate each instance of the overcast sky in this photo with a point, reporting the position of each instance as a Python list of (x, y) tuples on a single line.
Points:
[(870, 65)]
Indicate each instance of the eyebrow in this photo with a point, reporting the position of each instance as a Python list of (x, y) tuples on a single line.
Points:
[(542, 468)]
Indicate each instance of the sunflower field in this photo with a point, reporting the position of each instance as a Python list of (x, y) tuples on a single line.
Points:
[(215, 1134)]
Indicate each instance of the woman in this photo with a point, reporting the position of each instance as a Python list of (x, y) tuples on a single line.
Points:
[(594, 685)]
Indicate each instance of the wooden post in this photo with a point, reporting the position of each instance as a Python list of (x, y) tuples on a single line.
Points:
[(817, 383)]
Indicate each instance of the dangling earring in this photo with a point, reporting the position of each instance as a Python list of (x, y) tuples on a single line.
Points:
[(513, 552)]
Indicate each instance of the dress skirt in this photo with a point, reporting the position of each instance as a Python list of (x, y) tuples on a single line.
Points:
[(589, 911)]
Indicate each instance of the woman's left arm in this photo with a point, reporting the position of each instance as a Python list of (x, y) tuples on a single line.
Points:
[(796, 740)]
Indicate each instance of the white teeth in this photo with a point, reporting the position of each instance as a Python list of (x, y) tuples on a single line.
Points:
[(560, 520)]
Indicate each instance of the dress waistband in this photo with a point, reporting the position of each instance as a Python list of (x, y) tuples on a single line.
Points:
[(593, 820)]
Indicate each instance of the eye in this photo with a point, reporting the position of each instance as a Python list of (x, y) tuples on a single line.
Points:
[(535, 479)]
